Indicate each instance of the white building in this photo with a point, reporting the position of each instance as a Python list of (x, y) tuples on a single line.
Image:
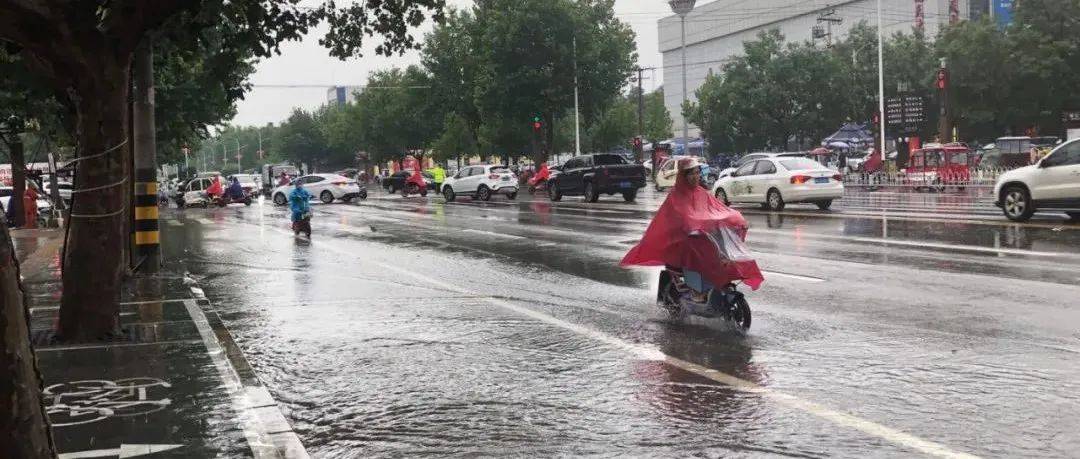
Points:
[(341, 95), (716, 31)]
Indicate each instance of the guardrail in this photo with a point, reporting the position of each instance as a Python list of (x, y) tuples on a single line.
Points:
[(930, 181)]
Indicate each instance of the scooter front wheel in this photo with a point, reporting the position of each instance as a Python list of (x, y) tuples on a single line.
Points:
[(740, 313)]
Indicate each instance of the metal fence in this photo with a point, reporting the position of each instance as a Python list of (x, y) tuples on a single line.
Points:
[(931, 181)]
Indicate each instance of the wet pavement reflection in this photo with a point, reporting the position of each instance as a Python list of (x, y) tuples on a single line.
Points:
[(967, 340)]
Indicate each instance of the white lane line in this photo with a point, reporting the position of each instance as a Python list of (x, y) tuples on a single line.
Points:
[(651, 353), (918, 244), (258, 439), (793, 276), (492, 233)]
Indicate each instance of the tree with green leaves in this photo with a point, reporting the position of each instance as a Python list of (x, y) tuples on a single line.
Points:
[(300, 140), (456, 140), (83, 52), (531, 51)]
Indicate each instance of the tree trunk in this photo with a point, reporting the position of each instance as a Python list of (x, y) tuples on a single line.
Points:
[(96, 239), (24, 429), (18, 179)]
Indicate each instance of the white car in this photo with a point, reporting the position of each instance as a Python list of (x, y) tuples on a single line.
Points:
[(326, 187), (1052, 184), (481, 182), (776, 181), (44, 206)]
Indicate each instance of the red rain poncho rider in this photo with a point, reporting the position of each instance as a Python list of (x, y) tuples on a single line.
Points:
[(417, 178), (692, 209), (541, 174)]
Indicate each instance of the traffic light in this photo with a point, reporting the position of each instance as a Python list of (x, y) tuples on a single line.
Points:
[(942, 78), (537, 122)]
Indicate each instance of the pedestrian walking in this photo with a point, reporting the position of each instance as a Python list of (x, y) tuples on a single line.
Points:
[(438, 175), (30, 198)]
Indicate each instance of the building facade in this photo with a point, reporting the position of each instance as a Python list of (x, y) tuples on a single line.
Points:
[(716, 31)]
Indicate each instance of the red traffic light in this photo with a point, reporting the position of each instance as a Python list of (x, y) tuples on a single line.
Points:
[(536, 126), (942, 78)]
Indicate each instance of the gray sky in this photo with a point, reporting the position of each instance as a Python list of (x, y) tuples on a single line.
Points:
[(306, 63)]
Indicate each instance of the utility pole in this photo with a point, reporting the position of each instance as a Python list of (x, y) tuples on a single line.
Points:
[(944, 133), (881, 84), (829, 18), (577, 122), (224, 155), (238, 171), (640, 153), (147, 243)]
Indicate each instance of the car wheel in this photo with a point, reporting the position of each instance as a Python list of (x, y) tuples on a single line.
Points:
[(629, 196), (247, 201), (722, 196), (553, 192), (326, 197), (279, 199), (774, 201), (448, 194), (824, 205), (483, 193), (363, 194), (512, 196), (590, 193), (1017, 204)]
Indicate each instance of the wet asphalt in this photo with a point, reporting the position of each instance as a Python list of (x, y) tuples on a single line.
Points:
[(896, 325)]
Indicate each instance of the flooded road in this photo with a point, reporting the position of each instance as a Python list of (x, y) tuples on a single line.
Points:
[(416, 327)]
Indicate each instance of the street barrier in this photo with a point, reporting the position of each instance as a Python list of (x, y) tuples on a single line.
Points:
[(925, 181)]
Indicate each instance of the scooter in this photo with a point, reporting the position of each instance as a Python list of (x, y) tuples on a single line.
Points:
[(303, 225), (687, 293), (224, 200), (537, 185)]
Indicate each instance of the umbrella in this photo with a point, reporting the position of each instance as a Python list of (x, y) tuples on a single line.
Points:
[(820, 151), (839, 144)]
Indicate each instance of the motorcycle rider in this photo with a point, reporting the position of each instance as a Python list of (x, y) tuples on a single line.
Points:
[(235, 191), (299, 203), (215, 187), (673, 238)]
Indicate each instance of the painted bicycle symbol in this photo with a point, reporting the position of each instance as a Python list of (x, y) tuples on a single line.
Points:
[(84, 402)]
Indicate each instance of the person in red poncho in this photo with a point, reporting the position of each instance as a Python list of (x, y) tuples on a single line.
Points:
[(694, 231), (416, 178)]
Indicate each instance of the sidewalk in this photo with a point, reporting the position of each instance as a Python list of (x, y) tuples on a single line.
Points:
[(174, 386)]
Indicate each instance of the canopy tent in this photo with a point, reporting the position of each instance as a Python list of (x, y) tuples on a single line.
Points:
[(851, 135), (697, 147)]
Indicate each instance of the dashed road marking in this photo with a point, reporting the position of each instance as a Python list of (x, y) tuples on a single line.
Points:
[(651, 353)]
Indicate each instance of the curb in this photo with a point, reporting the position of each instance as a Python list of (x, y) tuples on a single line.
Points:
[(268, 432)]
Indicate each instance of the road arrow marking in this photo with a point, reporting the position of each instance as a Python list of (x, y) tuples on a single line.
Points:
[(122, 452)]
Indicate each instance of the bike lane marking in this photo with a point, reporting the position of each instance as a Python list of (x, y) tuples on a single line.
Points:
[(646, 352)]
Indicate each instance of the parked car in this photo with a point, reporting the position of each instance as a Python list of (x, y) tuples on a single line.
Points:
[(777, 181), (44, 205), (592, 175), (1010, 152), (666, 175), (1051, 185), (753, 157), (326, 187), (396, 181), (481, 182)]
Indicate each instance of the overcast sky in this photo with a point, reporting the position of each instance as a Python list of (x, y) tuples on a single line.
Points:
[(306, 64)]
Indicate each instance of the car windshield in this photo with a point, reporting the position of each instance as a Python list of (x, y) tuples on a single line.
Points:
[(800, 164), (608, 160)]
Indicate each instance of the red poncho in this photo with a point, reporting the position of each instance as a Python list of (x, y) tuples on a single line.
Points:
[(541, 174), (417, 178), (668, 241)]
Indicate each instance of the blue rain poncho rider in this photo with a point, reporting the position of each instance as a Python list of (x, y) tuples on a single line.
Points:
[(299, 202), (235, 190)]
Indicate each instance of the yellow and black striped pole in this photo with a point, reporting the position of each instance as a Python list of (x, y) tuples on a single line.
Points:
[(147, 239)]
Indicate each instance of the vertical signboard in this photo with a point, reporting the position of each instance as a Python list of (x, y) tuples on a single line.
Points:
[(1003, 10), (954, 11)]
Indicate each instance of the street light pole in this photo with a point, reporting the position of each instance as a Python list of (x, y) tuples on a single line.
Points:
[(238, 171), (682, 8), (881, 84), (577, 122)]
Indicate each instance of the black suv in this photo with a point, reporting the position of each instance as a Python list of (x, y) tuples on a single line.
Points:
[(591, 175)]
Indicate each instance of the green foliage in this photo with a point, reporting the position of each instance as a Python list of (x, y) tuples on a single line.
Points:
[(456, 140), (300, 141)]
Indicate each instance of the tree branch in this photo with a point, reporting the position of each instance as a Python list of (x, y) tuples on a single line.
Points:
[(128, 20)]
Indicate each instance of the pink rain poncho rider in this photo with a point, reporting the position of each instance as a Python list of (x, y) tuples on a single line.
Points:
[(675, 237)]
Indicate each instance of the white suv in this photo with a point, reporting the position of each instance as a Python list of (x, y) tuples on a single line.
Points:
[(1052, 184), (481, 182)]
